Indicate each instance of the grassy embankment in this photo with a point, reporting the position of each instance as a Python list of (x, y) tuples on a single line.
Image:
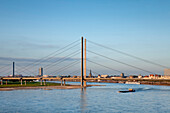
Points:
[(28, 84)]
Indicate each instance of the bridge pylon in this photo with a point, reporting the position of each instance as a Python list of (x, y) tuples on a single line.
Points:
[(83, 62), (82, 66), (85, 84)]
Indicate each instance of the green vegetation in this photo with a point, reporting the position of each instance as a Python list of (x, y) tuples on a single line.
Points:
[(28, 84)]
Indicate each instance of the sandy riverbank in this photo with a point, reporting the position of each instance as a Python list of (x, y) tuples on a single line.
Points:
[(40, 87), (44, 87)]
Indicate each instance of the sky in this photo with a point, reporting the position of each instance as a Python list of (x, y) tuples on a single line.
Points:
[(32, 29)]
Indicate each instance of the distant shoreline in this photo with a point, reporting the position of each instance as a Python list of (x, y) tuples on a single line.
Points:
[(144, 83), (123, 82), (68, 86)]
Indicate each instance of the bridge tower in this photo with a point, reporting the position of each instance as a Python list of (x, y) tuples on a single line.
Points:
[(85, 84), (13, 69), (83, 62), (82, 67)]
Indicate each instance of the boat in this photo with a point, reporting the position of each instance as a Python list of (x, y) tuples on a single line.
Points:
[(130, 90)]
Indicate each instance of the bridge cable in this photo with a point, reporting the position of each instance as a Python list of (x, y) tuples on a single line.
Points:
[(69, 66), (53, 55), (5, 70), (40, 60), (76, 71), (120, 62), (61, 60), (144, 60), (104, 66), (4, 66), (66, 67)]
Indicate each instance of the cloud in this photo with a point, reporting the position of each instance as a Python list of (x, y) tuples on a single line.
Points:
[(37, 45), (17, 59)]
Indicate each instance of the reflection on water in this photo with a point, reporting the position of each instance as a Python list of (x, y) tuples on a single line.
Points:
[(83, 103)]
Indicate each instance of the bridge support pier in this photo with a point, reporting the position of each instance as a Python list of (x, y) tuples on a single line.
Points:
[(85, 84), (6, 82), (41, 82), (44, 82), (21, 81), (1, 82), (64, 82), (61, 82), (25, 82)]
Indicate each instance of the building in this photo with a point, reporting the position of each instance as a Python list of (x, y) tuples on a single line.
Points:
[(133, 76), (154, 76), (140, 76), (122, 75), (146, 77), (166, 73), (151, 76), (99, 76), (45, 76), (41, 71), (90, 74), (104, 76), (20, 75), (116, 77)]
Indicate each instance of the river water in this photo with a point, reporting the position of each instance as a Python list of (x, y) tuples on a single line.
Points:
[(97, 99)]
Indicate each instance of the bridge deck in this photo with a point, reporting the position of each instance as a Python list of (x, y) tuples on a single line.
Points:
[(120, 79)]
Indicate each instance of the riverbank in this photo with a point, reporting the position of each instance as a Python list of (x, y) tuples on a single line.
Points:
[(162, 83), (28, 84), (50, 86), (44, 87), (145, 82), (34, 85), (40, 87)]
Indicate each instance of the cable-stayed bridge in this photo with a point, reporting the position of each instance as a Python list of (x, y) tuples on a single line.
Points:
[(71, 60)]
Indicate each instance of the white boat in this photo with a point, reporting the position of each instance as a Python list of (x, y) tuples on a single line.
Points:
[(132, 82)]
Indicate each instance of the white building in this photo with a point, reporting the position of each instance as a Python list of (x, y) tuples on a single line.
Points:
[(45, 76), (167, 73), (104, 76), (140, 76)]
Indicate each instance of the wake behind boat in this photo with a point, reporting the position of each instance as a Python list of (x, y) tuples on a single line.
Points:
[(132, 82)]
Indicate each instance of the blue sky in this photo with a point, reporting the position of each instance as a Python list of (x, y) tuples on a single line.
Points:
[(34, 28)]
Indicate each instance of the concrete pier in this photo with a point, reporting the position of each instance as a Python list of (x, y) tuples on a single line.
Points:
[(21, 81), (1, 82), (61, 82), (41, 82), (44, 82), (64, 82)]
